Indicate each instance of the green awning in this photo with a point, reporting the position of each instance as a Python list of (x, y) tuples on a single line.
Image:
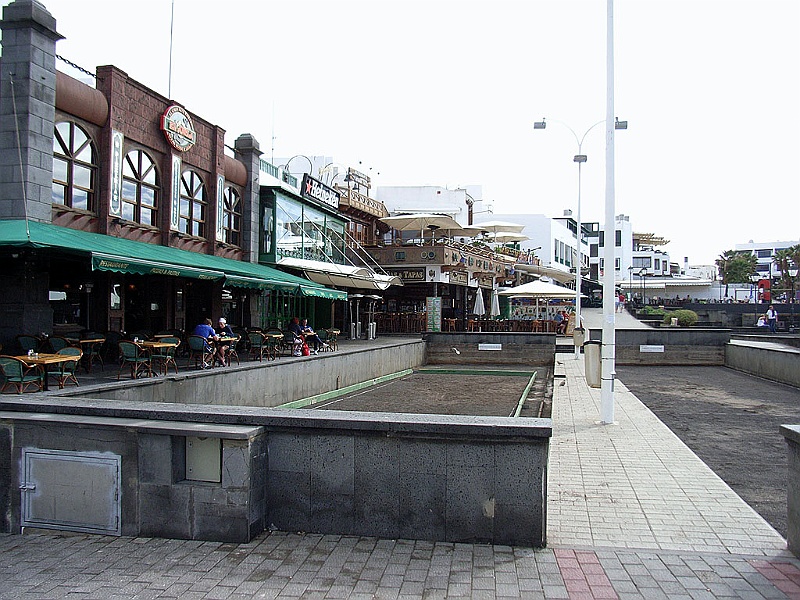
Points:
[(121, 255)]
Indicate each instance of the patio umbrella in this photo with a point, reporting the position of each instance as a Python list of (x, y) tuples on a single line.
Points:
[(420, 222), (495, 226), (503, 237), (479, 309), (495, 310), (539, 289)]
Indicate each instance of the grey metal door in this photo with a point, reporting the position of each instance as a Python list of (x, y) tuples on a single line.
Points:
[(74, 491)]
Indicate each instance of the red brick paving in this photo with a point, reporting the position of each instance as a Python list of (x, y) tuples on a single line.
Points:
[(584, 576)]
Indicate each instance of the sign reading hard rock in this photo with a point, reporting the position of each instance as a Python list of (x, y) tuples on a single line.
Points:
[(178, 128)]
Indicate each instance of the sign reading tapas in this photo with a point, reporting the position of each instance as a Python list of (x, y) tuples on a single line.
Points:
[(316, 190), (178, 129)]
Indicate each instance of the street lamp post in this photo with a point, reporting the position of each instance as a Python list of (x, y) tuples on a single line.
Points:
[(579, 158), (792, 275), (642, 273)]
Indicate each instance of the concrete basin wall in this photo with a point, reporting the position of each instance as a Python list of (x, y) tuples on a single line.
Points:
[(775, 362), (791, 434), (668, 346), (268, 383), (431, 477), (475, 348)]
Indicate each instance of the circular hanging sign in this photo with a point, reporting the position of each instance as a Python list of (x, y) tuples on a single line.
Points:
[(178, 129)]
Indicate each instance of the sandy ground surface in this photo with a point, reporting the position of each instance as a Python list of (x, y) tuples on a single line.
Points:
[(731, 421), (448, 393)]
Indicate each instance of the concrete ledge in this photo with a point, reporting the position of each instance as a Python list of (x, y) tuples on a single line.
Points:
[(791, 434), (668, 346), (432, 477), (769, 360), (266, 384), (473, 348)]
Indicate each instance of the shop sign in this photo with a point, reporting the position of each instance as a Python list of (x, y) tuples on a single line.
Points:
[(408, 274), (319, 192), (117, 140), (458, 277), (357, 178), (485, 282), (178, 129)]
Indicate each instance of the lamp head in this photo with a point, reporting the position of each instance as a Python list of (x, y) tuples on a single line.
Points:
[(620, 124), (540, 124)]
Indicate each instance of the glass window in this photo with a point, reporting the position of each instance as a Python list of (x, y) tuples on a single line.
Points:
[(74, 167), (194, 203), (618, 238), (289, 228), (140, 189), (640, 262), (232, 216)]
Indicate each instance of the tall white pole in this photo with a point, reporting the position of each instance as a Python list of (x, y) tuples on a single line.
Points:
[(609, 342), (579, 263)]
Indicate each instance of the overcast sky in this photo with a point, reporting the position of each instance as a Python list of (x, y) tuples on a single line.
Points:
[(442, 92)]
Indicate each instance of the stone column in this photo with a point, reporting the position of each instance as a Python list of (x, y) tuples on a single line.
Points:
[(27, 111), (247, 150)]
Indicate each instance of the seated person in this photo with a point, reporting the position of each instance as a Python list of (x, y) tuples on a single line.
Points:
[(224, 330), (206, 331), (297, 341), (762, 321), (561, 323), (308, 333)]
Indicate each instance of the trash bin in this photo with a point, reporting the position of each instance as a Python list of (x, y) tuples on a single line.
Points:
[(578, 336), (673, 321), (592, 362)]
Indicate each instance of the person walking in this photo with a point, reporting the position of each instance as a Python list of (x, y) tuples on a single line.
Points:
[(772, 318)]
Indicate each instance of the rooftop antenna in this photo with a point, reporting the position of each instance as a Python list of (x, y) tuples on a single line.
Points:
[(171, 25)]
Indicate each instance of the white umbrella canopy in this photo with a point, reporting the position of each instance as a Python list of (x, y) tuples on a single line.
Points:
[(495, 226), (479, 308), (539, 289), (503, 237), (420, 221)]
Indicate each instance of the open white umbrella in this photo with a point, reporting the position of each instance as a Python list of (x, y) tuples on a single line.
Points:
[(495, 226), (479, 308), (539, 289), (420, 222), (503, 237), (495, 309)]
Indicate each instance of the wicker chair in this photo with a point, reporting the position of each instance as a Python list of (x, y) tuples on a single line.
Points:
[(136, 357), (66, 370), (200, 352), (258, 345), (20, 376), (164, 357)]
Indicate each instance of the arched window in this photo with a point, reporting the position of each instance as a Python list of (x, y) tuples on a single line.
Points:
[(232, 216), (140, 189), (194, 203), (74, 167)]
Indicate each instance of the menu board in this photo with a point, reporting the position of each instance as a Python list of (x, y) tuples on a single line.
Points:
[(433, 306)]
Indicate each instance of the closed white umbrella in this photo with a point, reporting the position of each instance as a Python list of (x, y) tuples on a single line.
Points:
[(495, 310), (479, 309)]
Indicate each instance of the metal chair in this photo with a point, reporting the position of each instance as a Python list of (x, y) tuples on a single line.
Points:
[(200, 352), (164, 357), (136, 357), (19, 375), (94, 351), (66, 370), (333, 338)]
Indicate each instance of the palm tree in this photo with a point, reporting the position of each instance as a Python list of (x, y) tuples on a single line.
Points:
[(783, 260), (736, 267)]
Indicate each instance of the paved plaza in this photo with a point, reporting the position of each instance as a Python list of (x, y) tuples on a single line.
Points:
[(632, 513)]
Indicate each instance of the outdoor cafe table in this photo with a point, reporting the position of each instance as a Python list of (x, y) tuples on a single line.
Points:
[(43, 360)]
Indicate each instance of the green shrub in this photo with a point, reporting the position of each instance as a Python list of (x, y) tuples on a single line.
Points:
[(686, 318), (651, 311)]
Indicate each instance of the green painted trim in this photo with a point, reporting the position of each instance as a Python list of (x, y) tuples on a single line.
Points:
[(311, 400), (524, 396), (498, 372)]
